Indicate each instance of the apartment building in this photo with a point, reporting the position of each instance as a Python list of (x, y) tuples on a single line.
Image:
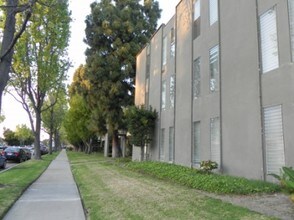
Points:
[(220, 74)]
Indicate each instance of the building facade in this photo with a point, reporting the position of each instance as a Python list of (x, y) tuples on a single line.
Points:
[(221, 76)]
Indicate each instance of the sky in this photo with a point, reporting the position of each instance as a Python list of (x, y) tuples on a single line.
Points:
[(13, 111)]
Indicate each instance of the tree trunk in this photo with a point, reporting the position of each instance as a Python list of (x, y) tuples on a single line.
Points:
[(50, 141), (8, 35), (57, 144), (37, 136), (116, 150), (142, 153)]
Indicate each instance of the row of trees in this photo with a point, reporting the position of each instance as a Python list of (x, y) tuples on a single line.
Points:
[(35, 41), (115, 33), (20, 137)]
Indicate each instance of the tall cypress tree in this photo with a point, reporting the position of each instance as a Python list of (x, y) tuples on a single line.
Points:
[(116, 31)]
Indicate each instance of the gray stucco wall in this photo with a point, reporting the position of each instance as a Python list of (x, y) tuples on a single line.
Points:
[(183, 106), (240, 90)]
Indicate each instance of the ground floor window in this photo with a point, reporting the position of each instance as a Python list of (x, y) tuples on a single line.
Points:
[(215, 148), (196, 143), (161, 149), (171, 144), (274, 139)]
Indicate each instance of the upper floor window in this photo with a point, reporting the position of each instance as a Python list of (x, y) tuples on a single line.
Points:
[(269, 40), (172, 89), (163, 95), (214, 69), (196, 9), (196, 78), (213, 11), (291, 20), (196, 24), (172, 43), (164, 51), (147, 92)]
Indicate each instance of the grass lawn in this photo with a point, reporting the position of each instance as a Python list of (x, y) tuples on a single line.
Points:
[(110, 190), (16, 180)]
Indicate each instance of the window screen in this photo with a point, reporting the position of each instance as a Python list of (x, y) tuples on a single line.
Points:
[(213, 11), (196, 143), (214, 69), (269, 40)]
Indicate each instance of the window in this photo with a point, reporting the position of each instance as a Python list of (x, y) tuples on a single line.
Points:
[(196, 143), (161, 149), (215, 151), (171, 144), (214, 69), (172, 89), (274, 140), (163, 95), (196, 9), (291, 20), (196, 24), (147, 92), (172, 43), (196, 78), (164, 48), (213, 11), (269, 40)]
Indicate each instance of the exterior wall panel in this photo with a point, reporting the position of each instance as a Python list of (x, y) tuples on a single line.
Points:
[(241, 117), (183, 124)]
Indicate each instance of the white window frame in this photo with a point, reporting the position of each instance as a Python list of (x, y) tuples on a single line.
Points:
[(162, 141), (215, 147), (274, 139), (291, 22), (213, 11), (196, 79), (214, 69), (197, 9), (164, 51), (171, 144), (196, 143), (269, 40), (172, 90), (163, 95)]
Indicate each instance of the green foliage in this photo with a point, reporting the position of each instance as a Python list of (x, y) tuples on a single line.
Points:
[(10, 137), (203, 181), (76, 122), (24, 135), (286, 178), (41, 61), (21, 136), (2, 118), (115, 33), (208, 165), (140, 123)]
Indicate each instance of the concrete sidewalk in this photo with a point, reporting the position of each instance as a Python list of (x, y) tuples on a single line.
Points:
[(53, 196)]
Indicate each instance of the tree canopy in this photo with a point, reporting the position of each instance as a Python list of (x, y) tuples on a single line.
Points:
[(40, 61), (115, 32), (20, 137), (11, 34)]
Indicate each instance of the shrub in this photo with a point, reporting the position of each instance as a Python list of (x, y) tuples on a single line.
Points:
[(198, 179), (286, 178), (208, 165)]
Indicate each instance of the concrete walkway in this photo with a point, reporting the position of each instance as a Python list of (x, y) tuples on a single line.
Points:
[(54, 196)]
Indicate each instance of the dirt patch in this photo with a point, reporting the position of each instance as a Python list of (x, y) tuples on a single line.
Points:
[(277, 205)]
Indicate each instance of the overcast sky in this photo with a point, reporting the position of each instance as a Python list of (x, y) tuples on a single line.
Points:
[(13, 111)]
